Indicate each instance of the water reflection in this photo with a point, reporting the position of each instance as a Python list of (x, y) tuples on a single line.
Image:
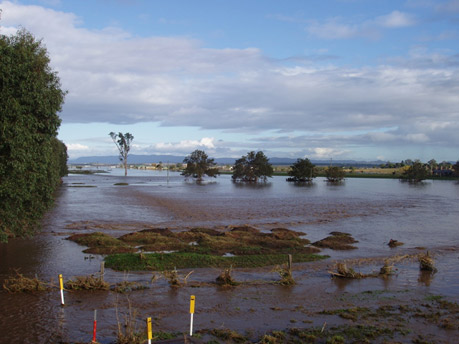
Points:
[(426, 277), (252, 186)]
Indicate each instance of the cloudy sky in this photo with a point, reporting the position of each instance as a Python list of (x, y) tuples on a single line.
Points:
[(341, 79)]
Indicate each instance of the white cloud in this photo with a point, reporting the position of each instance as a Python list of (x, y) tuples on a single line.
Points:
[(184, 146), (76, 147), (325, 153), (395, 19), (331, 29), (417, 138), (338, 28), (114, 77)]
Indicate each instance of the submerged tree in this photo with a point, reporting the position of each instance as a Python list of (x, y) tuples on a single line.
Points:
[(123, 143), (198, 164), (334, 174), (303, 170), (32, 159), (252, 167), (416, 172)]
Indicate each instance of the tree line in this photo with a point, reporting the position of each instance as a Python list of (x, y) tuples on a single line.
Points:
[(32, 159), (255, 166)]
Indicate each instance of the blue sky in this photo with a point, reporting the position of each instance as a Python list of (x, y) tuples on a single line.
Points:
[(342, 79)]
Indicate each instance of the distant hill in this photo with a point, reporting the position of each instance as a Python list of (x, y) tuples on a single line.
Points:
[(173, 159)]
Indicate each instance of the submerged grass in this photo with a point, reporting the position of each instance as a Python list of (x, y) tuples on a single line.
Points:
[(100, 243), (21, 284), (87, 283), (183, 260), (337, 241)]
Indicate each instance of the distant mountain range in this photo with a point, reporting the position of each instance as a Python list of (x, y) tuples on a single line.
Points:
[(173, 159)]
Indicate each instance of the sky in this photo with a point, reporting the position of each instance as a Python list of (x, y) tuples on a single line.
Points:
[(328, 79)]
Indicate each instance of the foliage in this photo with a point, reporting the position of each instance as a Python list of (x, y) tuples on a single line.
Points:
[(416, 172), (302, 171), (87, 283), (32, 159), (170, 261), (252, 167), (198, 164), (20, 283), (334, 174), (123, 143)]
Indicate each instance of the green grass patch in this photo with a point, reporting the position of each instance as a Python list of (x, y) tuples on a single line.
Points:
[(183, 260)]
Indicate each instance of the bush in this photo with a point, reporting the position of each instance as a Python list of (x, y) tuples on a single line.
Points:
[(32, 159)]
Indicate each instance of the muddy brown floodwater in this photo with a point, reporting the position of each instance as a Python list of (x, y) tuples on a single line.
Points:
[(423, 217)]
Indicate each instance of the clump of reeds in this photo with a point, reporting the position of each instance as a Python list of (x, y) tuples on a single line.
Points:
[(128, 286), (285, 274), (128, 332), (225, 278), (394, 243), (20, 283), (426, 262), (386, 270), (174, 279), (228, 335), (87, 283), (344, 272)]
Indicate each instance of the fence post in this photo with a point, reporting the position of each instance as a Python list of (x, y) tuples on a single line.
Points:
[(102, 270), (192, 301), (61, 287)]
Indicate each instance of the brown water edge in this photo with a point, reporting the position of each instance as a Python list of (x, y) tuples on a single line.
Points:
[(252, 308), (285, 211)]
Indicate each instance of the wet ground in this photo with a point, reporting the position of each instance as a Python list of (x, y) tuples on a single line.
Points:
[(374, 211)]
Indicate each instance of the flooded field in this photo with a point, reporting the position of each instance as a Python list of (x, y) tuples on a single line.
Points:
[(423, 217)]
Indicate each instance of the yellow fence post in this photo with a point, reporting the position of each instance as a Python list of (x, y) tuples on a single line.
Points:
[(61, 287), (192, 301), (149, 332)]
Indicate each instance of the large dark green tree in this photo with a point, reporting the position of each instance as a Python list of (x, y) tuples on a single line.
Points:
[(334, 174), (302, 171), (198, 164), (32, 160), (252, 168), (123, 143), (417, 172)]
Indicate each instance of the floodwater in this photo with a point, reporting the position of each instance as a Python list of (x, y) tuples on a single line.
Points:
[(372, 210)]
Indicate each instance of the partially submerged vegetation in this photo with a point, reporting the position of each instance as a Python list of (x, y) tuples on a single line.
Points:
[(21, 284), (161, 249), (337, 241), (225, 279), (394, 243), (285, 274), (343, 271), (426, 262), (183, 260), (87, 283), (100, 243)]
